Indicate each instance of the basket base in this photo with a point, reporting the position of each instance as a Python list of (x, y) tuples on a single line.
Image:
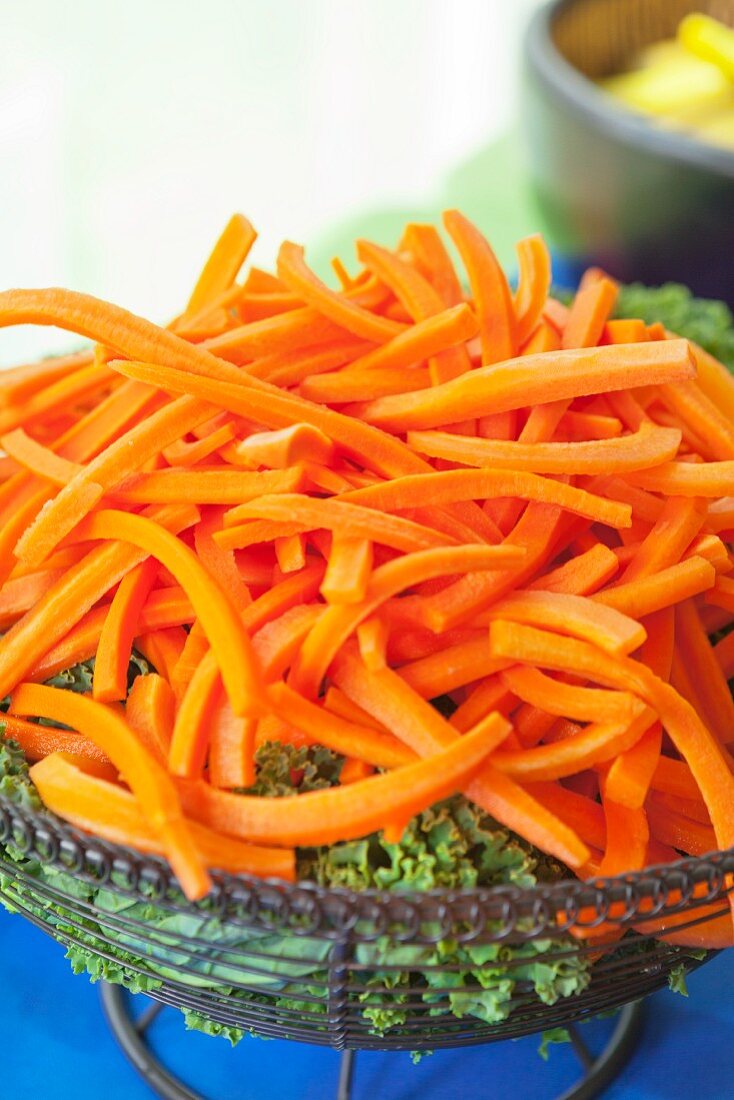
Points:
[(598, 1071)]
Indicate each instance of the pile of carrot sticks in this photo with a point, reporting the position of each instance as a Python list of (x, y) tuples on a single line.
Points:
[(316, 510)]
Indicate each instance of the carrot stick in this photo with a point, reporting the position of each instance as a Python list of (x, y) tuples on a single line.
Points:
[(339, 813), (182, 453), (449, 486), (20, 383), (286, 447), (533, 284), (566, 700), (589, 313), (220, 270), (697, 656), (348, 520), (220, 563), (450, 668), (650, 446), (688, 479), (348, 571), (292, 270), (231, 747), (113, 813), (566, 613), (431, 258), (678, 524), (190, 740), (583, 574), (221, 623), (532, 380), (209, 486), (150, 783), (64, 394), (667, 586), (630, 330), (150, 709), (372, 636), (628, 835), (489, 287), (120, 626), (39, 741)]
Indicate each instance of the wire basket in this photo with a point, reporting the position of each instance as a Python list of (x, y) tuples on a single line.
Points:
[(305, 962)]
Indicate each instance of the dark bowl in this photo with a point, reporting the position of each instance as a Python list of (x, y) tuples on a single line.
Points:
[(615, 189)]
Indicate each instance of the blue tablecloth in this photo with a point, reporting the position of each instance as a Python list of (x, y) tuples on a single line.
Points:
[(56, 1046)]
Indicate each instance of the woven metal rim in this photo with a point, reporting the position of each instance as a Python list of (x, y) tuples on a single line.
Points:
[(514, 914)]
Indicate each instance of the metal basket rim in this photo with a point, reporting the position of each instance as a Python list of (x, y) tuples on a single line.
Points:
[(694, 868)]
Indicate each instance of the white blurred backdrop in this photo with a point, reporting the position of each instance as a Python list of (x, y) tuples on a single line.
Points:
[(130, 131)]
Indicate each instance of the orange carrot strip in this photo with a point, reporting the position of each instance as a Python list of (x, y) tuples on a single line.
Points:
[(221, 622), (193, 652), (454, 485), (702, 417), (290, 552), (722, 594), (693, 740), (218, 486), (188, 454), (688, 479), (649, 447), (150, 709), (372, 636), (286, 447), (568, 613), (589, 313), (583, 574), (667, 586), (279, 639), (292, 270), (36, 458), (339, 620), (489, 287), (690, 837), (354, 383), (593, 745), (348, 520), (147, 779), (578, 426), (20, 594), (231, 746), (220, 563), (533, 284), (677, 525), (349, 736), (25, 511), (715, 381), (450, 668), (39, 741), (395, 704), (421, 300), (107, 810), (339, 813), (431, 258), (120, 626), (66, 393), (628, 835), (220, 270), (348, 570), (630, 330), (303, 328), (20, 383), (190, 740), (698, 658), (578, 811), (532, 380), (566, 700), (67, 601), (545, 337), (293, 590)]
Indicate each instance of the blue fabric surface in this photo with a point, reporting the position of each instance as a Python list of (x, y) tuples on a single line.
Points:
[(57, 1047)]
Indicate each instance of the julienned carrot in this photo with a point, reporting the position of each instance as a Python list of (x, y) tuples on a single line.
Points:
[(453, 485), (431, 258), (74, 594), (450, 668), (688, 479), (38, 741), (568, 700), (629, 777), (20, 383), (566, 613), (677, 525), (697, 655), (66, 393), (149, 781), (219, 562), (338, 622), (583, 574), (589, 313), (628, 835), (290, 552), (348, 570), (533, 284), (221, 622), (489, 287), (36, 458), (384, 695), (595, 744), (667, 586), (286, 447), (339, 813), (372, 636), (298, 277), (348, 520), (120, 626), (151, 710), (693, 740), (183, 453), (206, 486), (231, 747), (220, 270), (193, 652), (532, 380), (701, 416), (189, 743), (107, 810), (20, 594), (651, 446), (421, 300)]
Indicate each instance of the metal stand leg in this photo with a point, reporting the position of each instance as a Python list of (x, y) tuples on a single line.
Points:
[(598, 1070)]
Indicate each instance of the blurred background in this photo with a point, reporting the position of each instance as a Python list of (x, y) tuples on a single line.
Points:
[(130, 131)]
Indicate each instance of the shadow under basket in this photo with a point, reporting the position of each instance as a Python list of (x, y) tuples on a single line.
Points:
[(615, 188), (353, 970)]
